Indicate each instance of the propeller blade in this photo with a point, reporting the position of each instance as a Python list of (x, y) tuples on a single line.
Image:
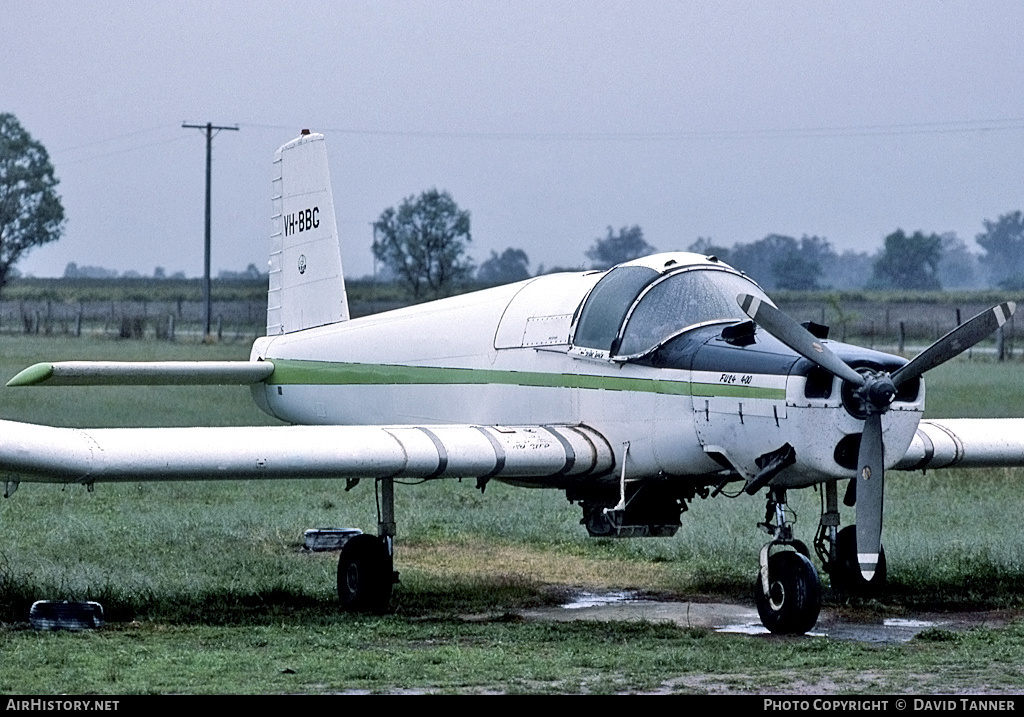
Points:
[(955, 342), (870, 488), (796, 337)]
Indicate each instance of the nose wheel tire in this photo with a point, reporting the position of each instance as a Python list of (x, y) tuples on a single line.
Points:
[(846, 575), (365, 575), (793, 600)]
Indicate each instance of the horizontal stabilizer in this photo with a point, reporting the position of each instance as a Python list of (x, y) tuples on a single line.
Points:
[(143, 373)]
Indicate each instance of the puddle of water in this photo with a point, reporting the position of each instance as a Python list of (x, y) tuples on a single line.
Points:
[(746, 629), (891, 630), (751, 628), (901, 622), (726, 618), (585, 600)]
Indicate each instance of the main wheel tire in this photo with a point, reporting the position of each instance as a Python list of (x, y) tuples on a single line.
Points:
[(846, 575), (365, 575), (793, 601), (599, 524)]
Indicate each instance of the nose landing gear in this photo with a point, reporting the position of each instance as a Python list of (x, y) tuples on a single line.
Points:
[(787, 590), (791, 602)]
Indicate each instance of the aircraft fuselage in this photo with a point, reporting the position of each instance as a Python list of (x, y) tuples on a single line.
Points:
[(697, 405)]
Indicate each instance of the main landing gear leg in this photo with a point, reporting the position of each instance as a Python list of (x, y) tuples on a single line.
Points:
[(787, 590), (366, 566)]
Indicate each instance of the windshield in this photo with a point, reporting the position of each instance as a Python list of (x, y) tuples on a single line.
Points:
[(683, 300), (606, 307)]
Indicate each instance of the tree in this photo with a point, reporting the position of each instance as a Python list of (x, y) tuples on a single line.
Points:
[(513, 265), (74, 271), (424, 243), (800, 266), (849, 270), (782, 262), (908, 262), (707, 247), (616, 248), (1003, 242), (31, 213), (958, 268)]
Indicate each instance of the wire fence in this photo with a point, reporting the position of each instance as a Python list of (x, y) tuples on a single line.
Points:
[(166, 320), (903, 328), (900, 327)]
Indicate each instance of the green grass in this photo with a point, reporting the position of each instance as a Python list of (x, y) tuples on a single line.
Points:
[(979, 388), (451, 656), (207, 591)]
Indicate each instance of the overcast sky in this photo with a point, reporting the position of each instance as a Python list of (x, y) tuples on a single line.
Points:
[(548, 121)]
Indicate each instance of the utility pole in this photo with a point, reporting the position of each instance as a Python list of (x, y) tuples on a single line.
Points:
[(210, 128)]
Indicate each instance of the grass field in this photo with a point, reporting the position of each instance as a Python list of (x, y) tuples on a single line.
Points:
[(207, 591)]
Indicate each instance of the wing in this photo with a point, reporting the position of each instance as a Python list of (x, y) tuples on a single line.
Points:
[(967, 443), (539, 454)]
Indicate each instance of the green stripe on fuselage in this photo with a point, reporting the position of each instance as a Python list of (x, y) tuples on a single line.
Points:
[(327, 373)]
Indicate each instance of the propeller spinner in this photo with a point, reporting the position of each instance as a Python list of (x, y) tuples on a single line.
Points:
[(876, 390)]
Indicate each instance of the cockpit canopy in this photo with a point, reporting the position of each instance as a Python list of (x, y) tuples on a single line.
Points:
[(635, 308)]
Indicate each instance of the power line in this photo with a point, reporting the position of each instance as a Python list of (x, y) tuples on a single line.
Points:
[(827, 131), (980, 126), (115, 152), (119, 137)]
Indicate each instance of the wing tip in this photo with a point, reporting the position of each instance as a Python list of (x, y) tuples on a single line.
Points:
[(33, 375)]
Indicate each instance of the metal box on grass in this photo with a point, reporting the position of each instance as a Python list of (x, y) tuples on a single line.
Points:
[(65, 615), (322, 539)]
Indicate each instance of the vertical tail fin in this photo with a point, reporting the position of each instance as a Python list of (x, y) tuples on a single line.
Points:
[(307, 287)]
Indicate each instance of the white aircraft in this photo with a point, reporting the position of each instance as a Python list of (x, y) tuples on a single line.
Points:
[(634, 390)]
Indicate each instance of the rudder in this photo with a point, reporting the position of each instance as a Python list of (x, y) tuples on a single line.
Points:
[(307, 287)]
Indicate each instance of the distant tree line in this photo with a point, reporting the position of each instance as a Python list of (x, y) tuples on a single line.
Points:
[(424, 243), (914, 261), (74, 271)]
